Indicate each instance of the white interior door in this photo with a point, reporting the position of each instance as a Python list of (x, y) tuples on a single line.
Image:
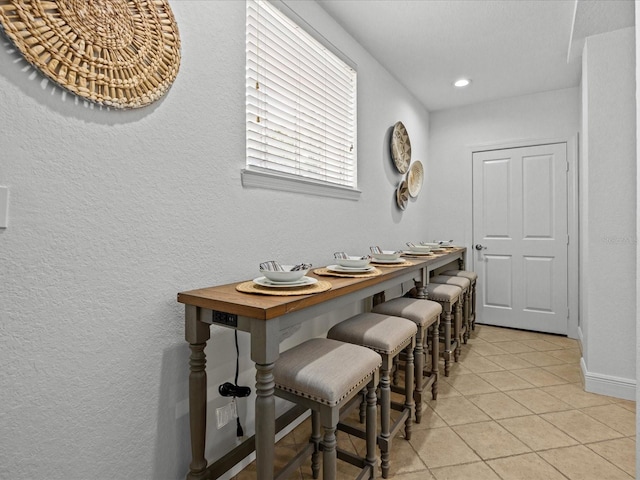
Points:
[(520, 236)]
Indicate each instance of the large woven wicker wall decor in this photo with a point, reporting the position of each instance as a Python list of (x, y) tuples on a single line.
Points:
[(117, 53)]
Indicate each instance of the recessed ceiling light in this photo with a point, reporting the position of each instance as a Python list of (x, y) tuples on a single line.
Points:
[(463, 82)]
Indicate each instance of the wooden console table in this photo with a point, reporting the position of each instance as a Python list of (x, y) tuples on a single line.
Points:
[(264, 317)]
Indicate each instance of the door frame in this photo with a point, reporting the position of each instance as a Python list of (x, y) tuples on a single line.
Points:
[(573, 261)]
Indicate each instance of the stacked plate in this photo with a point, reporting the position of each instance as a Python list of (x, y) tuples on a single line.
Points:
[(393, 261), (301, 282), (343, 269)]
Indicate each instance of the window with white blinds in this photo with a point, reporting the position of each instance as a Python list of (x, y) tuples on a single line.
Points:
[(301, 103)]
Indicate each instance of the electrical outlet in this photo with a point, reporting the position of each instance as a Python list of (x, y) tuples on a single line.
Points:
[(226, 413)]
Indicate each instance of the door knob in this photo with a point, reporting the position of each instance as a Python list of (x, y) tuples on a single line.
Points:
[(480, 247)]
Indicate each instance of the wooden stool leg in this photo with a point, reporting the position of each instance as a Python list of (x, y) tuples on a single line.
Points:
[(371, 428), (385, 414), (329, 453), (396, 372), (465, 314), (447, 340), (473, 306), (316, 439), (419, 367), (409, 386), (457, 328), (363, 407), (435, 357)]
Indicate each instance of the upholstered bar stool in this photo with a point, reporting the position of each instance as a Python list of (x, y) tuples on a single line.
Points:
[(324, 375), (465, 285), (388, 336), (450, 298), (473, 278), (426, 315)]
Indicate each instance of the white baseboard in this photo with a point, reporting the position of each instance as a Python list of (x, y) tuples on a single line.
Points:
[(608, 384), (580, 337)]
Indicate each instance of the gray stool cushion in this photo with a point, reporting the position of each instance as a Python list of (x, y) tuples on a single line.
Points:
[(440, 292), (325, 371), (422, 312), (473, 276), (463, 283), (382, 333)]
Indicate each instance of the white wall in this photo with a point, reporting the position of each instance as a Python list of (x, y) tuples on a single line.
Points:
[(637, 316), (608, 192), (113, 213), (454, 132)]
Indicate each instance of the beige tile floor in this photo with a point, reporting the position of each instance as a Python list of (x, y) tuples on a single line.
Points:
[(513, 408)]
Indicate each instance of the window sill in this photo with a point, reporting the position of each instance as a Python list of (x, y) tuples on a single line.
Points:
[(278, 181)]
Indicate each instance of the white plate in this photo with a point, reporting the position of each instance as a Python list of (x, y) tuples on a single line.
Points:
[(265, 282), (391, 262), (417, 254), (340, 268)]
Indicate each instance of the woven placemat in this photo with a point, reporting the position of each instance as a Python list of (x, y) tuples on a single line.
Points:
[(330, 273), (251, 287), (118, 53), (405, 263)]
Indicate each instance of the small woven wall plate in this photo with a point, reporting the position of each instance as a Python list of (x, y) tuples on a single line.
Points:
[(402, 195), (400, 147), (117, 53), (415, 178)]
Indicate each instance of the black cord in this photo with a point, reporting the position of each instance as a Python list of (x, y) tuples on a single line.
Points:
[(239, 431)]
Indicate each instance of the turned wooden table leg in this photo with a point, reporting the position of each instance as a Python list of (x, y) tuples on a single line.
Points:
[(265, 430), (265, 342), (197, 334)]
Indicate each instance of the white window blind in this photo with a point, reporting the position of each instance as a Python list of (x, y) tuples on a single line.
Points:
[(301, 102)]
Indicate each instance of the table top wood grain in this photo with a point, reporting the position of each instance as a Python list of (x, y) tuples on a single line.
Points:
[(226, 298)]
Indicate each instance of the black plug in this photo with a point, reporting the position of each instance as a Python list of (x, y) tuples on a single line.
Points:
[(228, 389)]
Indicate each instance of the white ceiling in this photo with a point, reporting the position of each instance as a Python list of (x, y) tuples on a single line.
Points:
[(507, 47)]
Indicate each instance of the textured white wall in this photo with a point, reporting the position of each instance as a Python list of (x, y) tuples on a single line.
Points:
[(609, 190), (637, 316), (112, 213), (454, 132)]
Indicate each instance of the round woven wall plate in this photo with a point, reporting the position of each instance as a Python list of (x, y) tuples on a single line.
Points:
[(400, 147), (415, 177), (118, 53), (402, 195)]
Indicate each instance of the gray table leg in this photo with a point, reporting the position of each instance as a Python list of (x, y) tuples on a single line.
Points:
[(265, 430), (265, 349), (197, 334)]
